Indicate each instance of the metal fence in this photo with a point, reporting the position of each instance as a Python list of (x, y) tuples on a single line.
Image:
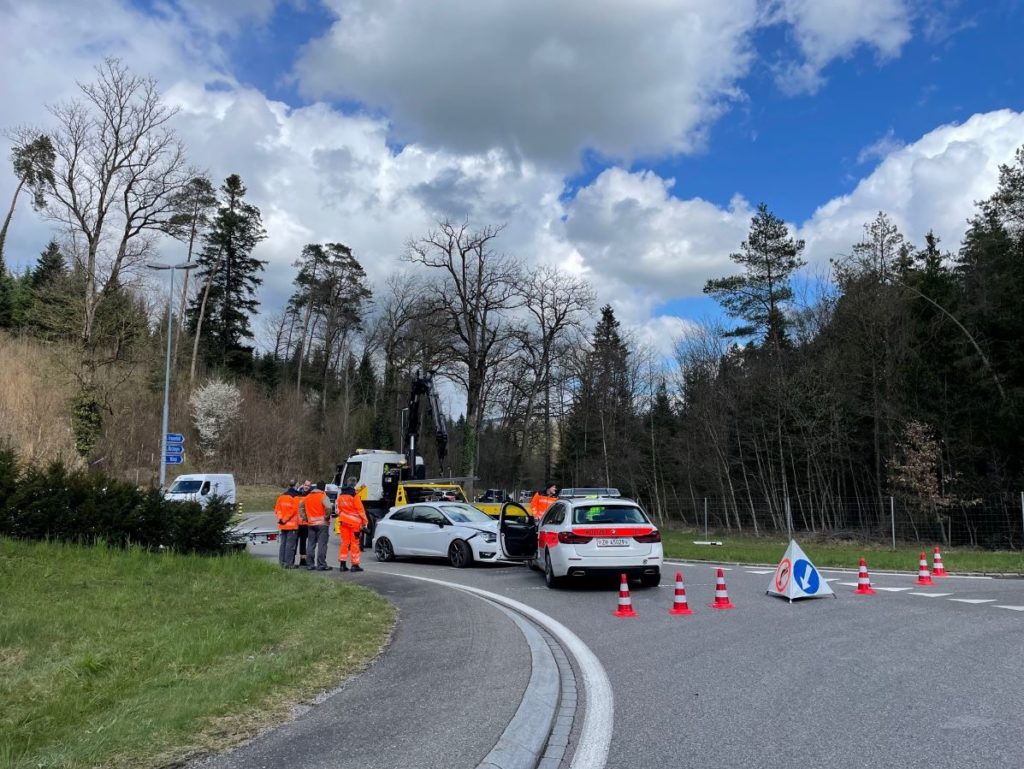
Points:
[(995, 521)]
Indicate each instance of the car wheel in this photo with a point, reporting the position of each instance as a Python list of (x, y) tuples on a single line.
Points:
[(650, 580), (549, 573), (532, 563), (383, 550), (459, 554)]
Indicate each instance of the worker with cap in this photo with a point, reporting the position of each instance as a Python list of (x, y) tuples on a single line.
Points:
[(286, 510), (543, 499), (351, 521), (315, 511)]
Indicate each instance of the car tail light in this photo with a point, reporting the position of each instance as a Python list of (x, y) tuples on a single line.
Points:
[(654, 536), (569, 538)]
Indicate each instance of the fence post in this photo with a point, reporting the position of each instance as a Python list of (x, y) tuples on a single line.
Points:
[(1022, 514), (892, 517), (705, 518)]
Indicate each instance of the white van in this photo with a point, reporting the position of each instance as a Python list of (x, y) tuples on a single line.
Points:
[(201, 488)]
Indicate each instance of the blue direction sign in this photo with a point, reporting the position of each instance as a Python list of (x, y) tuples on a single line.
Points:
[(806, 576), (175, 438), (173, 459), (175, 448)]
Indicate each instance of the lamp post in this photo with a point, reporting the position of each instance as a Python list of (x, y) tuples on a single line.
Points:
[(167, 367)]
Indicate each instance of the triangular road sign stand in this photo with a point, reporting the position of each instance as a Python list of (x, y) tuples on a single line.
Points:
[(797, 577)]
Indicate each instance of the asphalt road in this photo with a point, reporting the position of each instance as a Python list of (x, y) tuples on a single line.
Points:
[(914, 677)]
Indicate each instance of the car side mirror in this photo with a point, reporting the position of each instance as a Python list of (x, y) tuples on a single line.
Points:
[(441, 523)]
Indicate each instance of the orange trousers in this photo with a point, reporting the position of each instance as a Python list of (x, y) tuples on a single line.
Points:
[(349, 546)]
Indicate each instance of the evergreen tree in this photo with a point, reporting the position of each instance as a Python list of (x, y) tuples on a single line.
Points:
[(598, 427), (50, 267), (769, 257), (219, 314)]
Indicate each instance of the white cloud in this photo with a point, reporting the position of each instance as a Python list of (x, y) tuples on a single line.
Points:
[(541, 79), (931, 184), (880, 149), (825, 30)]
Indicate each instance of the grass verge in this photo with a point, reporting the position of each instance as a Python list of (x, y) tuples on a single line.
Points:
[(257, 498), (742, 548), (120, 658)]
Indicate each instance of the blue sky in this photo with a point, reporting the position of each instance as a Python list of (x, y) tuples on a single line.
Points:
[(628, 142)]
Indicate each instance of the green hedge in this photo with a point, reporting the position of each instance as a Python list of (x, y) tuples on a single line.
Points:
[(53, 503)]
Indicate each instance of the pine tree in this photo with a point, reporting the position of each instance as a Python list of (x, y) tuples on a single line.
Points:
[(769, 256), (50, 267), (219, 314)]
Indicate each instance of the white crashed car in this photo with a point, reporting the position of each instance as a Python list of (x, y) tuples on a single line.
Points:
[(591, 536), (453, 530)]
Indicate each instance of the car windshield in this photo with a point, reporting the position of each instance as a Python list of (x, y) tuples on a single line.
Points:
[(619, 514), (185, 487), (589, 492), (465, 514)]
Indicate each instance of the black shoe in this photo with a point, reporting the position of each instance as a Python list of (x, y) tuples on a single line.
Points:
[(311, 568), (323, 568), (356, 568), (343, 567)]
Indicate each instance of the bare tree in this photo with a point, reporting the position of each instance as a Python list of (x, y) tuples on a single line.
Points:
[(119, 167), (558, 304), (476, 289)]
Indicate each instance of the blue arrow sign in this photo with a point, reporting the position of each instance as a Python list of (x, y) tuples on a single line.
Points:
[(171, 459), (806, 576), (175, 438), (175, 448)]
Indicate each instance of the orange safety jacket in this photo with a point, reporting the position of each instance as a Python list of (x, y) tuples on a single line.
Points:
[(351, 514), (313, 507), (286, 508), (540, 504)]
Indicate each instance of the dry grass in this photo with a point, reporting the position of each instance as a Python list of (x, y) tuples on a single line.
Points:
[(35, 392)]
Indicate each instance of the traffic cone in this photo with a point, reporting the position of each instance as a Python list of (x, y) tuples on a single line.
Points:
[(625, 603), (679, 605), (924, 577), (863, 581), (721, 594), (938, 570)]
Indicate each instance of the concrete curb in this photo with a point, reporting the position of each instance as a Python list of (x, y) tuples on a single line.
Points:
[(523, 742)]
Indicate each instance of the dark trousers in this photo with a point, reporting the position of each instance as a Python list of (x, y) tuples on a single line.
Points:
[(317, 555), (303, 534), (286, 550)]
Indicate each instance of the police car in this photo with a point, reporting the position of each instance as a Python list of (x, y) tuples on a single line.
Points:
[(581, 537)]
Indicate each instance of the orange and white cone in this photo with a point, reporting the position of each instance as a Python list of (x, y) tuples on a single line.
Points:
[(625, 603), (924, 577), (721, 594), (938, 570), (679, 604), (863, 580)]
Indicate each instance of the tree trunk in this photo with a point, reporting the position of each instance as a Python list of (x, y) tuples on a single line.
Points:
[(7, 221)]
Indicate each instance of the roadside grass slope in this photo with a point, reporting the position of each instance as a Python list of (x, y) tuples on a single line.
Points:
[(114, 658)]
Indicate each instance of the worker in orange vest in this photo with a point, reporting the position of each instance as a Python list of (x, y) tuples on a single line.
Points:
[(351, 521), (315, 510), (286, 510), (542, 500)]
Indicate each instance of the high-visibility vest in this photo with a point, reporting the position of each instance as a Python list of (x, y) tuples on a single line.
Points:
[(350, 513), (316, 514), (286, 508), (540, 504)]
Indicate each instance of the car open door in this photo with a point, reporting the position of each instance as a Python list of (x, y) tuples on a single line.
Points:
[(517, 533)]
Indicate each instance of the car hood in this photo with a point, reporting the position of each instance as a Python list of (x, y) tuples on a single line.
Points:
[(490, 528)]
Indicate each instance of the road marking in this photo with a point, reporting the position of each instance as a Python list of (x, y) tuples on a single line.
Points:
[(770, 571), (850, 584), (891, 589), (834, 579), (973, 600), (1011, 608), (595, 736), (931, 595)]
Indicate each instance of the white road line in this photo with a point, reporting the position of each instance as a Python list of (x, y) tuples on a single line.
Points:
[(1011, 608), (891, 589), (930, 595), (850, 584), (973, 600), (834, 579), (769, 571), (596, 734)]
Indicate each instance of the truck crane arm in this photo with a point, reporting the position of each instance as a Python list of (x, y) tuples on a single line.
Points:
[(424, 386)]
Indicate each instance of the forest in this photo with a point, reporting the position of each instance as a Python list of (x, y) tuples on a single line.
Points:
[(887, 394)]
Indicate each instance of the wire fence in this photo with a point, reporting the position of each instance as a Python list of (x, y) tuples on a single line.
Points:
[(995, 521)]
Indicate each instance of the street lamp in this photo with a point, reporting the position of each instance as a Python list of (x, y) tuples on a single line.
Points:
[(167, 368)]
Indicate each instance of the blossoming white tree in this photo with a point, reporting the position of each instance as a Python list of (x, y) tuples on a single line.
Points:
[(215, 408)]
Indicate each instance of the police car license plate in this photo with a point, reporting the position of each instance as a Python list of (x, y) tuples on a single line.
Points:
[(612, 542)]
